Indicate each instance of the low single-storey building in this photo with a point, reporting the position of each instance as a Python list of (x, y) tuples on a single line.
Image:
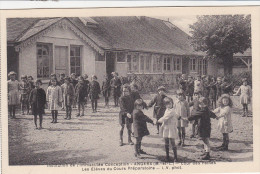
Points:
[(101, 45)]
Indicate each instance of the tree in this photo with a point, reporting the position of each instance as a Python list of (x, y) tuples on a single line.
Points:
[(221, 36)]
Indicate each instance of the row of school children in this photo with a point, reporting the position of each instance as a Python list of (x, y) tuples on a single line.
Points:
[(172, 118), (212, 89)]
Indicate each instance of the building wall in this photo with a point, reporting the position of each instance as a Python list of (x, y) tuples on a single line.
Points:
[(121, 68), (57, 37), (100, 70)]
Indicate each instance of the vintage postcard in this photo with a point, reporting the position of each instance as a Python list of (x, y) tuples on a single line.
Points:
[(122, 90)]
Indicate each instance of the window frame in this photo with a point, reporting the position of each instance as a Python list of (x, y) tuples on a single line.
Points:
[(50, 59), (75, 56)]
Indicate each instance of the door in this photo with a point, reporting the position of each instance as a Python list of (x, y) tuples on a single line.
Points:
[(61, 60), (185, 65), (110, 62)]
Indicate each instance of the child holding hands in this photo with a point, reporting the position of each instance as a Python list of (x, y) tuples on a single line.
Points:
[(169, 127), (140, 127), (224, 112)]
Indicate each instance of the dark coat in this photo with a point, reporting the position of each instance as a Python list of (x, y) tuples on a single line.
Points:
[(206, 89), (204, 125), (190, 88), (183, 84), (106, 88), (225, 88), (68, 94), (74, 82), (218, 90), (126, 105), (80, 92), (195, 104), (139, 123), (37, 99), (115, 87), (94, 90), (86, 83), (213, 91), (159, 107)]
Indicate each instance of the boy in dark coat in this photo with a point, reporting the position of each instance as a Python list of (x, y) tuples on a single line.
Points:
[(159, 106), (80, 93), (115, 84), (183, 83), (126, 104), (190, 88), (37, 99), (140, 127), (195, 104), (106, 90), (204, 125), (94, 91)]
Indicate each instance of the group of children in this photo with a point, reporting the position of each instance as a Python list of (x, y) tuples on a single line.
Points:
[(209, 99)]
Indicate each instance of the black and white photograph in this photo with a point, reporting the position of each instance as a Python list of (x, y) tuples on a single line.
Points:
[(117, 90)]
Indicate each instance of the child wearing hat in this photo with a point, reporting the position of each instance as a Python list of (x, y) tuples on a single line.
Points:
[(94, 91), (140, 126), (159, 106), (182, 110), (169, 128), (245, 93), (126, 105), (68, 96), (80, 95), (13, 94), (106, 90), (24, 90), (204, 125), (115, 84), (37, 99), (224, 112)]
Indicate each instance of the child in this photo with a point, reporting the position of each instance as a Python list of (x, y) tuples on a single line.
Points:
[(169, 127), (212, 93), (159, 107), (13, 97), (24, 88), (246, 93), (182, 110), (54, 98), (218, 88), (94, 91), (74, 82), (140, 127), (68, 96), (198, 84), (183, 83), (224, 112), (106, 90), (190, 89), (31, 86), (86, 83), (195, 104), (80, 94), (126, 104), (115, 84), (62, 78), (204, 126), (37, 100), (53, 76)]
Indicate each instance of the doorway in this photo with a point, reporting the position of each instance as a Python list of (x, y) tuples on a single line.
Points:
[(61, 60), (110, 63)]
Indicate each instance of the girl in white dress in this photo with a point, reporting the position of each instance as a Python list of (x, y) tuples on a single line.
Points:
[(13, 94), (245, 96), (169, 127), (54, 98), (224, 112)]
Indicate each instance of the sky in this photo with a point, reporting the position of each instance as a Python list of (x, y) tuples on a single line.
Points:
[(182, 22)]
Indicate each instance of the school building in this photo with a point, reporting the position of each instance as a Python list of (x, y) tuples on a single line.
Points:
[(101, 45)]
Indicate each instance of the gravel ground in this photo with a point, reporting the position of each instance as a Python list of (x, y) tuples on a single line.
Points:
[(94, 138)]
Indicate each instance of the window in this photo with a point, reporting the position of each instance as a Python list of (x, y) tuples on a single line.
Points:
[(100, 57), (202, 66), (75, 60), (157, 63), (176, 64), (142, 62), (167, 64), (44, 61), (135, 62), (120, 57), (129, 63), (148, 63), (192, 64)]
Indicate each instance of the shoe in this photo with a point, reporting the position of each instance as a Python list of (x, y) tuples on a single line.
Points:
[(137, 155), (167, 158), (130, 143), (192, 136), (179, 143), (78, 115), (40, 128), (206, 156), (223, 148), (203, 154), (55, 122), (182, 144), (65, 118), (222, 145), (52, 121), (142, 152), (120, 143), (82, 115)]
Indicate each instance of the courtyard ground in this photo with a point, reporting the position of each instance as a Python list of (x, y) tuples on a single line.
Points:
[(94, 138)]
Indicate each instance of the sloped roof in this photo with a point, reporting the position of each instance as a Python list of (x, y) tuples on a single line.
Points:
[(117, 33), (247, 53)]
